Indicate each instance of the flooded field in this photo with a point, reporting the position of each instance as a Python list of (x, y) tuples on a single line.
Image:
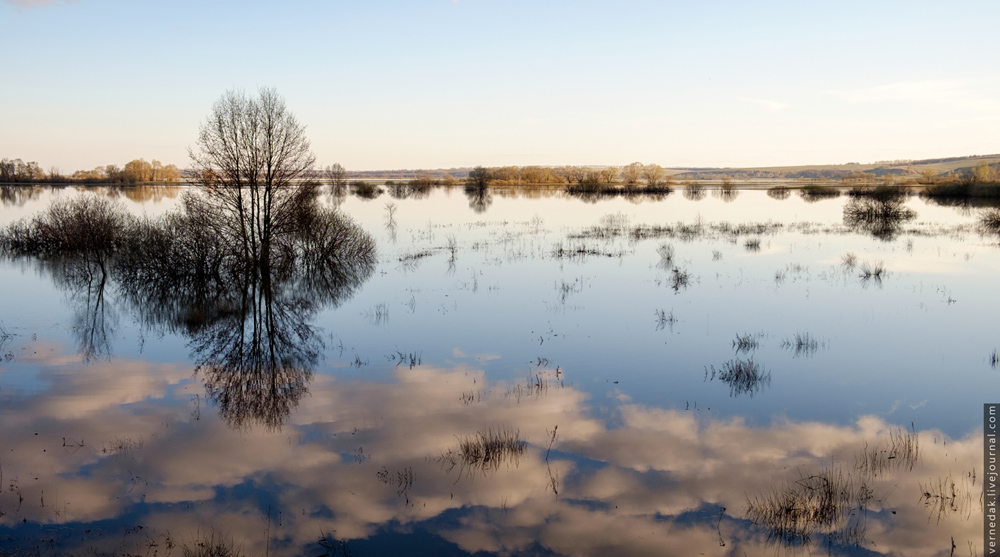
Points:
[(515, 373)]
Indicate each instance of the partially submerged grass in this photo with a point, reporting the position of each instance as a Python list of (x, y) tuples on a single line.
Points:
[(849, 260), (378, 315), (742, 376), (995, 359), (801, 344), (990, 221), (900, 450), (666, 253), (411, 359), (487, 451), (410, 257), (582, 250), (746, 342), (872, 271), (403, 481), (537, 385), (123, 446), (831, 501), (752, 244), (664, 319), (946, 497), (679, 278), (834, 502)]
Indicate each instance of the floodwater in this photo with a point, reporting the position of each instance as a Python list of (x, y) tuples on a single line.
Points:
[(528, 374)]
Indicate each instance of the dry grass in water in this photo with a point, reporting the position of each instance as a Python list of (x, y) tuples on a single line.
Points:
[(679, 278), (742, 376), (746, 342), (990, 221), (666, 253), (824, 502), (536, 386), (801, 344), (872, 272), (849, 260), (664, 319), (487, 450), (946, 497), (900, 450)]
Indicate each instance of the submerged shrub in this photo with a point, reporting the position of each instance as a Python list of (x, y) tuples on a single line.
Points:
[(963, 190), (813, 192), (365, 190), (990, 221), (779, 192), (88, 225)]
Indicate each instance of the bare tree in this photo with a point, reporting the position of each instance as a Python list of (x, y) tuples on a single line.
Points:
[(251, 159), (610, 174), (479, 177), (631, 173), (653, 174), (337, 175)]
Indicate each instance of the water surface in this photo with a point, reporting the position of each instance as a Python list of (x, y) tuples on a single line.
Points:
[(650, 404)]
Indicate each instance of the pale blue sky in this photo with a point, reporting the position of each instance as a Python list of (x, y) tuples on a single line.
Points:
[(444, 83)]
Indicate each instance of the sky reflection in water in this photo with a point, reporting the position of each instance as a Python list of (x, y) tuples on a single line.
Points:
[(632, 446)]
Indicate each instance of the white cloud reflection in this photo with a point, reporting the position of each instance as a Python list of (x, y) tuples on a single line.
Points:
[(104, 438)]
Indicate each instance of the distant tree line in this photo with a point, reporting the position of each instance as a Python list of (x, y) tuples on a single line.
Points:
[(16, 171), (635, 173)]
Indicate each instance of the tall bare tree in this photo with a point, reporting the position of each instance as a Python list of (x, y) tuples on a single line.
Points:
[(251, 159)]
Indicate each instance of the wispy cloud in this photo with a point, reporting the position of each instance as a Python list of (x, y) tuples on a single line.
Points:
[(766, 104), (930, 90), (943, 92)]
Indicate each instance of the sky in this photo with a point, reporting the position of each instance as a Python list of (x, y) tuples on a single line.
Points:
[(451, 83)]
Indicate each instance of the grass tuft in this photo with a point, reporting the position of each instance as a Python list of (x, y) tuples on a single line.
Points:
[(746, 342), (990, 221), (801, 344), (828, 500), (487, 450), (742, 376)]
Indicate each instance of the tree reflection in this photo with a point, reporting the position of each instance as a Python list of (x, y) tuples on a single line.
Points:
[(248, 322), (878, 212), (16, 196), (95, 321), (480, 197), (249, 328), (256, 356)]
